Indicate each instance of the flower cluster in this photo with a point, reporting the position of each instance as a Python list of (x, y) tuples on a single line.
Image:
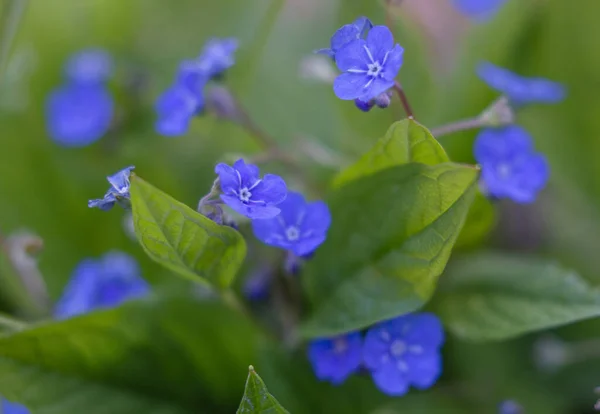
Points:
[(102, 283), (117, 193), (369, 61), (185, 98), (399, 353), (80, 112), (510, 166)]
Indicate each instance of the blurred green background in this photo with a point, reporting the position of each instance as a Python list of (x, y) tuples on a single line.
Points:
[(44, 187)]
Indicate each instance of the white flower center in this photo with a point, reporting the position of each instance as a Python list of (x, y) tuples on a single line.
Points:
[(503, 170), (340, 345), (398, 348), (374, 69), (292, 233), (245, 194)]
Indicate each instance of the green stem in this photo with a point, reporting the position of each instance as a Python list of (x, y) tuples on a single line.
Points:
[(8, 323), (12, 13), (462, 125)]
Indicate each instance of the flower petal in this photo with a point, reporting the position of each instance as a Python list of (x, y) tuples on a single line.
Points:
[(306, 246), (546, 91), (390, 380), (353, 56), (249, 173), (350, 86), (380, 41), (258, 212), (272, 190), (293, 209), (375, 88), (393, 63), (230, 180), (78, 296), (271, 232), (424, 369), (424, 330)]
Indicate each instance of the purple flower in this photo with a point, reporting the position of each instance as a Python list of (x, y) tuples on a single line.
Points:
[(510, 166), (301, 227), (13, 408), (404, 352), (370, 66), (103, 283), (347, 33), (175, 109), (479, 9), (521, 90), (334, 359), (118, 192), (78, 115), (248, 194), (91, 66)]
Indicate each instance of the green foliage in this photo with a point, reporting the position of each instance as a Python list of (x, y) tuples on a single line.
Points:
[(495, 296), (184, 240), (145, 357), (480, 222), (256, 399), (390, 239)]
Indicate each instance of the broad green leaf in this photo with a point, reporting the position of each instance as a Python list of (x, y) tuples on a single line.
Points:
[(158, 356), (405, 141), (495, 296), (480, 222), (257, 399), (184, 240), (391, 237)]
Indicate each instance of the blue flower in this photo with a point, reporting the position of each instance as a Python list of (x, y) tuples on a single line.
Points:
[(91, 66), (370, 66), (364, 106), (347, 33), (404, 351), (257, 284), (510, 407), (521, 90), (118, 192), (216, 57), (78, 115), (335, 359), (175, 109), (479, 9), (301, 227), (13, 408), (249, 195), (103, 283), (509, 166)]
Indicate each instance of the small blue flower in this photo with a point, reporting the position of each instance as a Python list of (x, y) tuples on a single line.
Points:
[(347, 33), (404, 351), (370, 66), (175, 109), (78, 115), (216, 57), (91, 66), (521, 90), (335, 359), (510, 407), (249, 195), (479, 9), (301, 227), (509, 166), (13, 408), (103, 283), (118, 192)]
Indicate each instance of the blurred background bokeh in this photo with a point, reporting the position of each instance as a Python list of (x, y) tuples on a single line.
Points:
[(44, 187)]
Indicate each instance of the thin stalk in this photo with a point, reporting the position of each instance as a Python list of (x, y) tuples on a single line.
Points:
[(400, 91), (462, 125)]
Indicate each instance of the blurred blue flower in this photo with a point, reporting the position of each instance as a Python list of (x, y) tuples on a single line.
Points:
[(370, 66), (90, 66), (347, 33), (301, 227), (479, 9), (509, 166), (404, 351), (521, 90), (257, 284), (13, 408), (175, 108), (78, 115), (335, 359), (103, 283), (118, 192), (249, 195), (216, 57), (510, 407)]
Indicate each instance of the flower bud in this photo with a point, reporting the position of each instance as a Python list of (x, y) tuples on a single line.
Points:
[(364, 106)]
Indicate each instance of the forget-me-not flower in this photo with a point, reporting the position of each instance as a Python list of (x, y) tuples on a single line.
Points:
[(13, 408), (521, 90), (479, 9), (118, 191), (246, 193), (78, 115), (347, 33), (89, 66), (175, 109), (335, 359), (510, 168), (370, 66), (510, 407), (404, 352), (103, 283), (301, 227)]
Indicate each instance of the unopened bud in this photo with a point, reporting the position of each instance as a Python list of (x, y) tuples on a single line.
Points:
[(383, 100), (364, 106), (498, 114), (221, 103)]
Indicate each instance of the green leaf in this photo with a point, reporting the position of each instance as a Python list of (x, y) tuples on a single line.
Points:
[(495, 296), (257, 399), (182, 239), (391, 237), (158, 356), (405, 141), (480, 222)]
